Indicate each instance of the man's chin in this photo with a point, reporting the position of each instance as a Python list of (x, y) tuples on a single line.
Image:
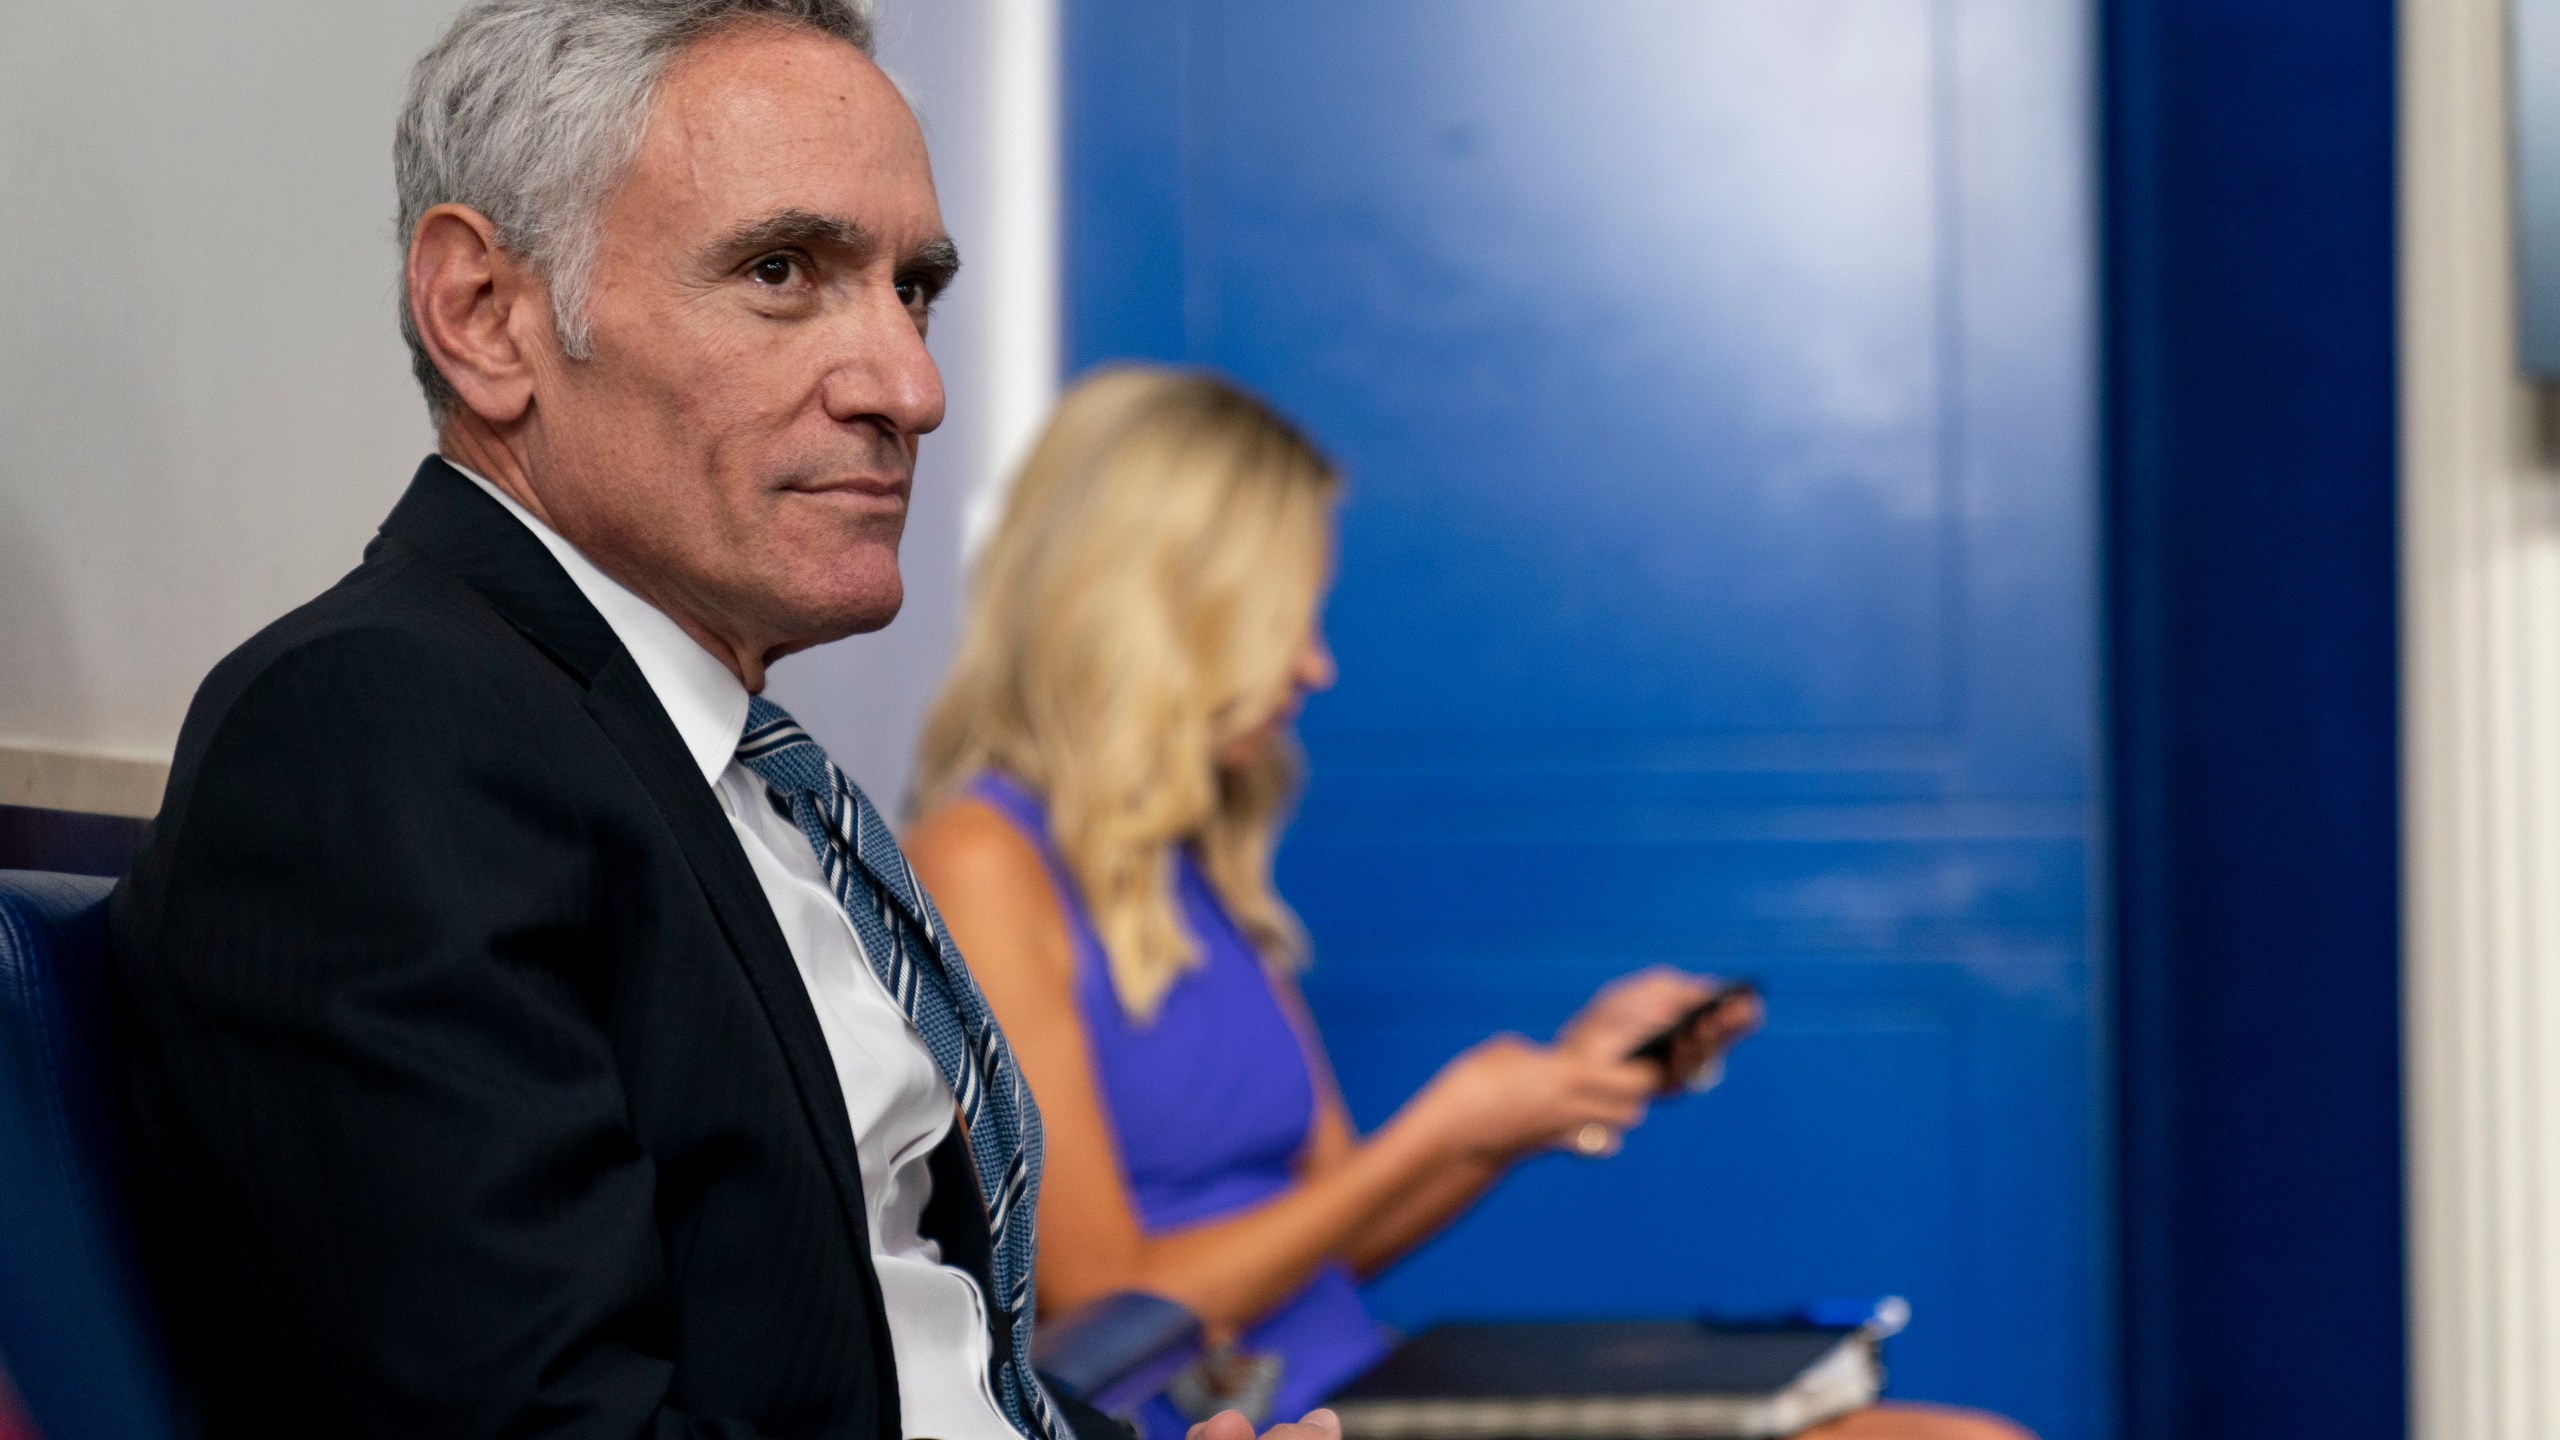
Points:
[(838, 617), (866, 620)]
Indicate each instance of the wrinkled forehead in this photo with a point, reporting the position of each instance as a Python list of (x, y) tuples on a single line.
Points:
[(761, 119)]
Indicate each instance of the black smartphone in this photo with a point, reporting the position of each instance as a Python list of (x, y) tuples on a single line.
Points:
[(1658, 1049)]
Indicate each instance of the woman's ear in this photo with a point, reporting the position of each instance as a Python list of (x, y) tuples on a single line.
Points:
[(469, 298)]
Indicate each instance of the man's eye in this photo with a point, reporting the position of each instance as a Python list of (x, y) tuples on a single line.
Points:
[(776, 270), (911, 293)]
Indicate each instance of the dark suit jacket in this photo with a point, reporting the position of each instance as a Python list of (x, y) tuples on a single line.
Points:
[(473, 1088)]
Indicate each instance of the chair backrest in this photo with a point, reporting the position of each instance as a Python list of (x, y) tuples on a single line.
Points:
[(72, 1330), (1118, 1352)]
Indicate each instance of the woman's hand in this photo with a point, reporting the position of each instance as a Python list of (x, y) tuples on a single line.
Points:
[(1508, 1096), (1632, 1009)]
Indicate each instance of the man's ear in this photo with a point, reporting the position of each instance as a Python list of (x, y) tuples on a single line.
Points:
[(471, 300)]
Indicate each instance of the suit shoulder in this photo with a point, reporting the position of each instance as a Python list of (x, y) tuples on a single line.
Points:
[(394, 631), (394, 675), (386, 700)]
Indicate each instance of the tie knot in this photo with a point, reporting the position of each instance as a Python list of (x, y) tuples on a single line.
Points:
[(777, 751)]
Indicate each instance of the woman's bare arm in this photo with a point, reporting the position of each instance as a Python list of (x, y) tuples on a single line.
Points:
[(1420, 1213), (994, 892), (1417, 1215)]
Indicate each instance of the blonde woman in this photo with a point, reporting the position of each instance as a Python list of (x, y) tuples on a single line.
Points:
[(1102, 783)]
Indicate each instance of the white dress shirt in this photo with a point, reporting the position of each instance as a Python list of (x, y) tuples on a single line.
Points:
[(895, 1096)]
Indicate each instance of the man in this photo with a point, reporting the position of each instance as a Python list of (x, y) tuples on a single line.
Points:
[(532, 1034)]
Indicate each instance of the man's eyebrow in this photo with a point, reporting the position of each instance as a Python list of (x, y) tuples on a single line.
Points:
[(796, 227), (933, 264)]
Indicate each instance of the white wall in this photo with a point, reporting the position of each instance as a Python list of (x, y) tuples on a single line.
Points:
[(2480, 551), (203, 405), (205, 408)]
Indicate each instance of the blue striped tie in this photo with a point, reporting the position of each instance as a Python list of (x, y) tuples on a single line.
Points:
[(903, 938)]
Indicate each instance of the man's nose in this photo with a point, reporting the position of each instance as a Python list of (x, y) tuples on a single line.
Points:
[(883, 371)]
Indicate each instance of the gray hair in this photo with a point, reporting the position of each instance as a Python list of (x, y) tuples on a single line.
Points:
[(530, 112)]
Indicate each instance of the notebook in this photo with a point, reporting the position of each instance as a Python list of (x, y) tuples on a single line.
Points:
[(1618, 1380)]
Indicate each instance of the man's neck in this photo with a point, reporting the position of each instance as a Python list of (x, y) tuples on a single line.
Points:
[(472, 447)]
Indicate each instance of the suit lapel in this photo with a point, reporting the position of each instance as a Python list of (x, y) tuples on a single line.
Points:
[(447, 521), (629, 713)]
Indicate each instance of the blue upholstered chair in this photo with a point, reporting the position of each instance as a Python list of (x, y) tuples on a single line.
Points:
[(1119, 1352), (72, 1321), (72, 1329)]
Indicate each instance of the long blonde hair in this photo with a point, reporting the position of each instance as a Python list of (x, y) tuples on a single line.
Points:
[(1142, 602)]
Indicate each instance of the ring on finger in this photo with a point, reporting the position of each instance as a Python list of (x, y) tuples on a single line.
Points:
[(1594, 1140)]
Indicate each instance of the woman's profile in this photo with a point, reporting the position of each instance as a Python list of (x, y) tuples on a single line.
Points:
[(1102, 785)]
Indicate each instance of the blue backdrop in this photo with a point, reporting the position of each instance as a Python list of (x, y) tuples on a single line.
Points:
[(1716, 387)]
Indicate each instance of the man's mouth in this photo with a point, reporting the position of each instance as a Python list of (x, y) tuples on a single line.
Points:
[(869, 492)]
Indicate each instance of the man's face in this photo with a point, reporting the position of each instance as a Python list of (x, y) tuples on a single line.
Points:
[(738, 447)]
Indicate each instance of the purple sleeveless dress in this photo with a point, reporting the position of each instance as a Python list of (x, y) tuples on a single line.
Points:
[(1212, 1105)]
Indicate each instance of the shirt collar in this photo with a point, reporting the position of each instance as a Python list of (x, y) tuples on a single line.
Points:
[(702, 696)]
